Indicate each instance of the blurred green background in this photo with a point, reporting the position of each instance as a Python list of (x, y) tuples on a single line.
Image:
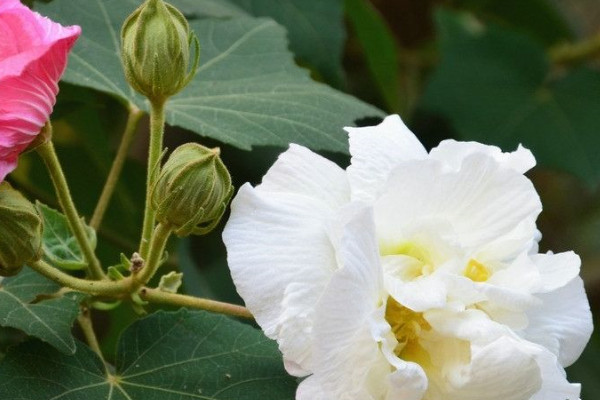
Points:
[(497, 71)]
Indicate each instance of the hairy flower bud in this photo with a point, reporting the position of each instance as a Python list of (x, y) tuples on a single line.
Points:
[(156, 40), (193, 190), (20, 231)]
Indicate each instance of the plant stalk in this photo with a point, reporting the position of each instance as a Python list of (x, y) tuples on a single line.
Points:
[(574, 53), (175, 299), (48, 154), (122, 288), (117, 167), (98, 287), (157, 127), (85, 322), (152, 262)]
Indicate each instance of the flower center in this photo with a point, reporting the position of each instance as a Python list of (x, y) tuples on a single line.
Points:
[(407, 326), (421, 263), (476, 271)]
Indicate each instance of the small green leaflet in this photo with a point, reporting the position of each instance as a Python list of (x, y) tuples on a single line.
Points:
[(48, 319), (248, 90), (60, 246), (166, 356)]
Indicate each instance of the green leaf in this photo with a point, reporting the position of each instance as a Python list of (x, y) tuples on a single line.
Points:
[(497, 86), (379, 47), (538, 18), (315, 28), (49, 319), (60, 246), (248, 90), (196, 282), (167, 356), (194, 9)]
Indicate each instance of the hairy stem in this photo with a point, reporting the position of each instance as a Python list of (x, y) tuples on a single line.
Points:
[(174, 299), (115, 171), (48, 154), (100, 288), (152, 262), (85, 322), (122, 288), (157, 127), (573, 53)]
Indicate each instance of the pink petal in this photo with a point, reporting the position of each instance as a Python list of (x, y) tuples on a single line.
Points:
[(33, 57)]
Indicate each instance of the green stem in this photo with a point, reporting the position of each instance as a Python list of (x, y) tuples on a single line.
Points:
[(152, 262), (120, 289), (573, 53), (85, 322), (115, 171), (100, 288), (157, 127), (174, 299), (48, 154)]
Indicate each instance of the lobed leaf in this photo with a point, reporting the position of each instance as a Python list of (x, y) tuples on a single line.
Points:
[(248, 90), (497, 86), (166, 356), (315, 27), (49, 319)]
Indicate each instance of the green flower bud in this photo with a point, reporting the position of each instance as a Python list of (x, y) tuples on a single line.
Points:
[(156, 40), (192, 190), (20, 231)]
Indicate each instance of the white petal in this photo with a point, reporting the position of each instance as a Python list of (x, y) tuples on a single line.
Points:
[(375, 151), (481, 201), (300, 171), (452, 153), (281, 258), (470, 325), (295, 323), (507, 298), (310, 389), (521, 275), (408, 382), (563, 324), (554, 379), (557, 270), (419, 294), (498, 371), (345, 350), (348, 362), (523, 238)]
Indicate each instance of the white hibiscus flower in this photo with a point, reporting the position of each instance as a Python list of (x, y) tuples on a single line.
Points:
[(411, 275)]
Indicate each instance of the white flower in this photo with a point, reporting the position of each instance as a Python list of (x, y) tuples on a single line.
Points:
[(411, 275)]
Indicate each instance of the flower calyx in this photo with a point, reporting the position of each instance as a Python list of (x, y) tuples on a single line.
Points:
[(20, 229), (155, 50), (192, 191)]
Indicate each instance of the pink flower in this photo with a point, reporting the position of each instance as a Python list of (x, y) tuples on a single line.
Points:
[(33, 57)]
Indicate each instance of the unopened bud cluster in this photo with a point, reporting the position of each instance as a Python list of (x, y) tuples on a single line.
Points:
[(156, 41), (20, 231), (193, 190)]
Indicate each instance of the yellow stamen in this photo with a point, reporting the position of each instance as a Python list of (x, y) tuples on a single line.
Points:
[(476, 271), (407, 326)]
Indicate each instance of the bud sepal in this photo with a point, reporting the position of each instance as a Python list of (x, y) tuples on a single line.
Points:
[(192, 191), (20, 231), (156, 40)]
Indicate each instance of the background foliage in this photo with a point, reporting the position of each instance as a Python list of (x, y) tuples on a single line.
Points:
[(280, 71)]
